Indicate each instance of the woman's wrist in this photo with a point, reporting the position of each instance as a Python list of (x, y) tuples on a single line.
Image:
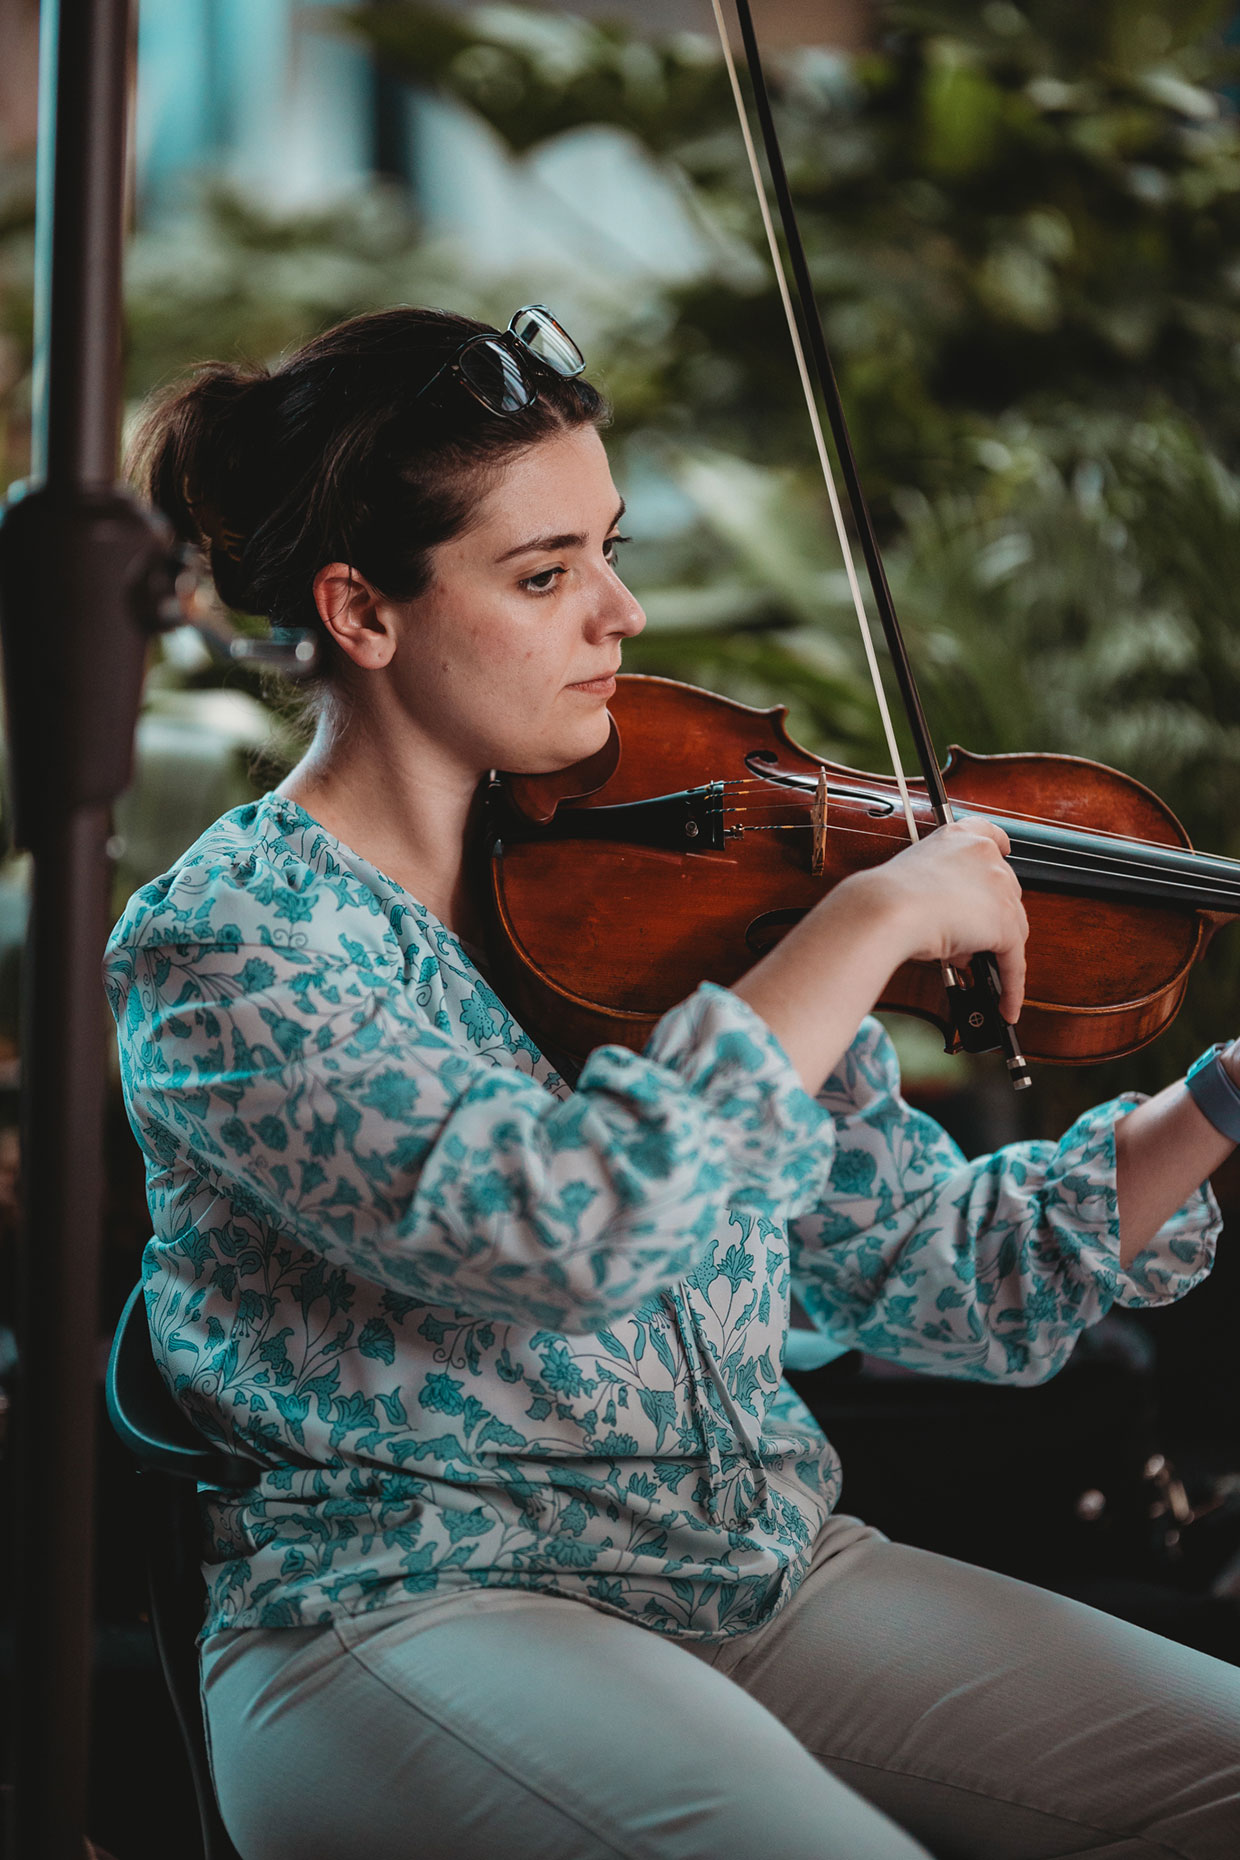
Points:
[(1168, 1146), (1165, 1149), (888, 911)]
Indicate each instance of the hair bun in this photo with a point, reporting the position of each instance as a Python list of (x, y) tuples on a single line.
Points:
[(194, 456)]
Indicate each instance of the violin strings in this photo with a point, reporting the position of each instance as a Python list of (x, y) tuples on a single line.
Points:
[(1066, 873), (758, 784), (1074, 866), (849, 804), (1084, 854), (1086, 858)]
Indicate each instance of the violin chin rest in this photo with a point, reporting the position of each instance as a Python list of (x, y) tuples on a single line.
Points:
[(538, 796)]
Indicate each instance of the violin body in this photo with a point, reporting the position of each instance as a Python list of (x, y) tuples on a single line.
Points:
[(603, 923)]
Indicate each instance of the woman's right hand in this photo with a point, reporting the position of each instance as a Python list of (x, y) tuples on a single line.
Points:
[(956, 894), (942, 899)]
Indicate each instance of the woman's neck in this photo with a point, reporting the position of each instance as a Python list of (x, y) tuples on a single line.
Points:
[(409, 810)]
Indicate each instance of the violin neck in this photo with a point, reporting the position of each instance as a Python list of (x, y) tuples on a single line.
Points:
[(1046, 856)]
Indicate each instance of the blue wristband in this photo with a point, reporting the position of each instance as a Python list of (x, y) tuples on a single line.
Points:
[(1215, 1092)]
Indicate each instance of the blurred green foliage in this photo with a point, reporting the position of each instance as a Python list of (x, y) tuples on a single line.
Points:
[(999, 203), (234, 280)]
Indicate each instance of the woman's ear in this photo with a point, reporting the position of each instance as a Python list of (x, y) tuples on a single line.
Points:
[(357, 618)]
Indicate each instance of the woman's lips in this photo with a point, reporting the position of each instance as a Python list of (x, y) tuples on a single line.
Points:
[(597, 687)]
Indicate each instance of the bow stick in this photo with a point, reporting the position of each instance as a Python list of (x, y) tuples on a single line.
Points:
[(974, 1010)]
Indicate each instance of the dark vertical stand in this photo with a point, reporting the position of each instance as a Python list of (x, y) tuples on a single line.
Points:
[(78, 561)]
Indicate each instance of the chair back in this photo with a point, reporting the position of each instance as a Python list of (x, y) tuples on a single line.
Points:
[(174, 1459), (158, 1433)]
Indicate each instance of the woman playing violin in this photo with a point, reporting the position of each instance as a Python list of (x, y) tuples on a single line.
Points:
[(542, 1557)]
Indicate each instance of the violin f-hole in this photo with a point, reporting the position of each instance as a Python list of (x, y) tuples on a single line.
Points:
[(765, 931)]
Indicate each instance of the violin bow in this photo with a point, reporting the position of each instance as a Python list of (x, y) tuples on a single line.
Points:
[(974, 1010)]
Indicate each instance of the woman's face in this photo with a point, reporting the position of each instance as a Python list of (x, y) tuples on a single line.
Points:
[(509, 657)]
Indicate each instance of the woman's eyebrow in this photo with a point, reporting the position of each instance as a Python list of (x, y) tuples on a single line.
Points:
[(550, 544)]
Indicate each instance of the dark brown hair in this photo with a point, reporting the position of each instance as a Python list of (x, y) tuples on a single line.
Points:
[(332, 457)]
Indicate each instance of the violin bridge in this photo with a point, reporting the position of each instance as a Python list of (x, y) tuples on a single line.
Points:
[(818, 819)]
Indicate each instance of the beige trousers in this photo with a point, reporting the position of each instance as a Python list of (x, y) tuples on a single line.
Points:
[(902, 1705)]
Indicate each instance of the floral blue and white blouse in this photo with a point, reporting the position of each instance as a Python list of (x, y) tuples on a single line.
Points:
[(479, 1329)]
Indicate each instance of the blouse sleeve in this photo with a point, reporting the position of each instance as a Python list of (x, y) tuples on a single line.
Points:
[(324, 1106), (986, 1269)]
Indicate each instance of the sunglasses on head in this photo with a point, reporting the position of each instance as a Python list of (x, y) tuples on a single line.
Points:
[(496, 368)]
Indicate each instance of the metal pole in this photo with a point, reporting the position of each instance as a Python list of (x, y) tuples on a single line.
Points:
[(84, 59), (62, 1162), (77, 557)]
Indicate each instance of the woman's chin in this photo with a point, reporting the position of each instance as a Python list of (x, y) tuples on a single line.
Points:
[(594, 739), (565, 748)]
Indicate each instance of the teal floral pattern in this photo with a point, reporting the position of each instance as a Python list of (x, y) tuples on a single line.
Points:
[(476, 1328)]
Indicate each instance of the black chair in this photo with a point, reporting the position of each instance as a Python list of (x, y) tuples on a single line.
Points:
[(173, 1460)]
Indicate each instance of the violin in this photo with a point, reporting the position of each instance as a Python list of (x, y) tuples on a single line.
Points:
[(702, 832)]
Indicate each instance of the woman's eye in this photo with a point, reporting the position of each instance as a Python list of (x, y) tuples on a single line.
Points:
[(543, 582)]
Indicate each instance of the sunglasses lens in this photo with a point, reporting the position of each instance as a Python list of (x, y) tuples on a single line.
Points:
[(494, 376), (538, 330)]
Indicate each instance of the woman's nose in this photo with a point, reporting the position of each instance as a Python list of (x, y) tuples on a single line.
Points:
[(619, 614)]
